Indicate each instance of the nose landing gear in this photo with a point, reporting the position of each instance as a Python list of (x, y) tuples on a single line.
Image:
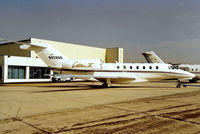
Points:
[(178, 84)]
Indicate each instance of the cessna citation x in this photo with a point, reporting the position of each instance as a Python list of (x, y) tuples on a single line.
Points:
[(106, 73)]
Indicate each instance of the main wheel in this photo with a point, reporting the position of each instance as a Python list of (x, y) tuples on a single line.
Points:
[(105, 85), (59, 80)]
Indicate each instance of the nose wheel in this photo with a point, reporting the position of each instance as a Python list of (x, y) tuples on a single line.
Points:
[(178, 84)]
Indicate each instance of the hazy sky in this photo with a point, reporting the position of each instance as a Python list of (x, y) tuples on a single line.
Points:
[(171, 28)]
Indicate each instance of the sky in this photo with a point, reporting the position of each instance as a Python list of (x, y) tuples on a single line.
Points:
[(170, 28)]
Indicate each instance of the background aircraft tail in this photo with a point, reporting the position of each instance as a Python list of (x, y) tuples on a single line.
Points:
[(47, 53), (151, 57)]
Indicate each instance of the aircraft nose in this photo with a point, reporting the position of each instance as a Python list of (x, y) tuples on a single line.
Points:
[(191, 75)]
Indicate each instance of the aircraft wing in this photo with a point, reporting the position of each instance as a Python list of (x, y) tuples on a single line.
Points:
[(105, 76)]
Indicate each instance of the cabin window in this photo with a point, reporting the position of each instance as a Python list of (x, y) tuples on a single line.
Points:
[(150, 67), (143, 67), (117, 67), (196, 69), (192, 69), (156, 67), (131, 67), (137, 67), (124, 67)]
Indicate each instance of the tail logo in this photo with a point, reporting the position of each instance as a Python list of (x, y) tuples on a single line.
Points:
[(76, 64)]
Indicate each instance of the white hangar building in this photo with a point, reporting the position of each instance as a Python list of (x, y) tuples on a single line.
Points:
[(17, 65)]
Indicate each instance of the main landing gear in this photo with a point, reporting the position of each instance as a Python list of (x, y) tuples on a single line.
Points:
[(106, 83)]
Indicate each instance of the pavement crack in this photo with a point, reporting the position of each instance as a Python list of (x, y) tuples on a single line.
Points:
[(31, 125), (178, 106), (179, 119)]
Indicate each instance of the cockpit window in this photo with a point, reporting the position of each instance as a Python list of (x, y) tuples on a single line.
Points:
[(185, 68), (171, 67)]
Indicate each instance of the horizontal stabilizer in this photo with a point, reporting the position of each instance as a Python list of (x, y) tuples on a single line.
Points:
[(28, 46)]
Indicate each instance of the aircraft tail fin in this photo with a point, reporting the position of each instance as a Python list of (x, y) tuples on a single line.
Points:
[(151, 57), (47, 53)]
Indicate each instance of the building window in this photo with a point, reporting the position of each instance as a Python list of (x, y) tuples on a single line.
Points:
[(156, 67), (196, 69), (131, 67), (1, 73), (192, 69), (150, 67), (143, 67), (117, 67), (39, 73), (137, 67), (16, 72)]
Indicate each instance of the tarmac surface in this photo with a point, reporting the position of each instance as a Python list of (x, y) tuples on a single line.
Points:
[(85, 107)]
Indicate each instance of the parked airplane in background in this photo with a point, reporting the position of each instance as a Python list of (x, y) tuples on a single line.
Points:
[(193, 68), (106, 73), (151, 57)]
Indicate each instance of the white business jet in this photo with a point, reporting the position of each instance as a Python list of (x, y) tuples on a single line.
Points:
[(107, 73)]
